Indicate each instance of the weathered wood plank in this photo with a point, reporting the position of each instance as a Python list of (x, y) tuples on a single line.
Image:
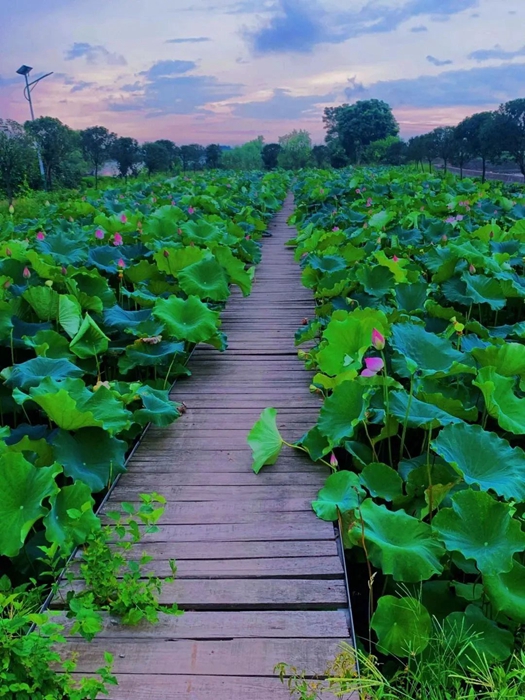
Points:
[(246, 479), (233, 657)]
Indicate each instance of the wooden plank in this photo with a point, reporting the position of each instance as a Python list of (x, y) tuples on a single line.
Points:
[(296, 567), (247, 594), (228, 657), (225, 515), (289, 624), (244, 479)]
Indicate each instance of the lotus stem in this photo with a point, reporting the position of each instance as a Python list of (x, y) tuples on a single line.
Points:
[(405, 422)]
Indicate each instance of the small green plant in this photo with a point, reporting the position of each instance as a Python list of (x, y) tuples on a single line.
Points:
[(111, 581), (31, 667)]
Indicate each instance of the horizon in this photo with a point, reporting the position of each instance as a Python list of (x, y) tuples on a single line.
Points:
[(229, 72)]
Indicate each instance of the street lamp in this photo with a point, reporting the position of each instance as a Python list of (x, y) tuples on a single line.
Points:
[(25, 70)]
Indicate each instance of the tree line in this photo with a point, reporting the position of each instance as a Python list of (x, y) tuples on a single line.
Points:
[(367, 132)]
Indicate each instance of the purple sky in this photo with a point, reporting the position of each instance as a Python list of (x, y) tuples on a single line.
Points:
[(226, 71)]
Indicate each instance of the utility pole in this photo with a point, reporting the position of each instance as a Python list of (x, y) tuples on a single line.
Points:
[(25, 70)]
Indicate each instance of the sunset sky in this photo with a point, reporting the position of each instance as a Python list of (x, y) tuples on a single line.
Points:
[(225, 71)]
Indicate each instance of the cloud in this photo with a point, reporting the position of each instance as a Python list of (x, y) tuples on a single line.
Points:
[(496, 53), (419, 28), (474, 88), (299, 25), (5, 82), (189, 40), (164, 69), (94, 54), (282, 105), (81, 85), (436, 62), (164, 91)]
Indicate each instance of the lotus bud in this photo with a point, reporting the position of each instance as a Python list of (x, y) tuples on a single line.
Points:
[(7, 284), (166, 253), (64, 270), (121, 263), (395, 258), (117, 239), (47, 203), (301, 354), (191, 210), (99, 234), (40, 236), (304, 322), (471, 269), (491, 234), (26, 273), (444, 238), (8, 252), (378, 339), (11, 209), (333, 461), (123, 218), (48, 283)]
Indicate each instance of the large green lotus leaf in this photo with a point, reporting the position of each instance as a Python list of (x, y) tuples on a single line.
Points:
[(418, 414), (397, 543), (91, 456), (315, 444), (91, 289), (124, 320), (142, 354), (44, 302), (326, 263), (235, 269), (72, 406), (508, 359), (343, 411), (206, 279), (65, 248), (482, 529), (158, 409), (24, 488), (90, 340), (187, 319), (177, 258), (32, 372), (420, 350), (382, 481), (50, 344), (163, 223), (483, 459), (69, 314), (340, 494), (411, 297), (376, 280), (204, 233), (452, 406), (265, 440), (490, 642), (71, 519), (501, 401), (475, 289), (403, 626), (310, 331), (6, 324), (506, 592), (348, 337), (40, 450), (396, 267)]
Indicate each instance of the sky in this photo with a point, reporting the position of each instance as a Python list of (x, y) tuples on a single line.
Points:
[(225, 71)]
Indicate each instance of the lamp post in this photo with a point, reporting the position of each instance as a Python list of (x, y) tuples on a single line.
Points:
[(25, 70)]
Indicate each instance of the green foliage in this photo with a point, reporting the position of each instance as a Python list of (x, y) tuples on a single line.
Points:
[(265, 440)]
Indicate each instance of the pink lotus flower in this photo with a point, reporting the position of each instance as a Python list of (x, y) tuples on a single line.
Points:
[(99, 234), (450, 220), (378, 339), (358, 191), (369, 202), (395, 258), (40, 236), (154, 340), (117, 239), (373, 366), (121, 263), (459, 217), (335, 228), (123, 218), (26, 273), (191, 210)]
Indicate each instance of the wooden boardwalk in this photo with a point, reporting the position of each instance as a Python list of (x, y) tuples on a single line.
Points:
[(258, 574)]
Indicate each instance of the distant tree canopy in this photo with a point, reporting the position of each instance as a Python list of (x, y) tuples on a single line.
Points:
[(127, 153), (56, 142), (351, 128), (245, 157), (270, 154), (213, 155), (17, 157), (97, 143)]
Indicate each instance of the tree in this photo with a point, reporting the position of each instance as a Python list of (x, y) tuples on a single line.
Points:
[(296, 150), (55, 141), (192, 156), (416, 150), (356, 126), (213, 155), (444, 143), (97, 143), (430, 148), (157, 158), (480, 137), (126, 152), (270, 154), (461, 151), (17, 157), (245, 157), (172, 150), (321, 156), (388, 151), (509, 131)]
